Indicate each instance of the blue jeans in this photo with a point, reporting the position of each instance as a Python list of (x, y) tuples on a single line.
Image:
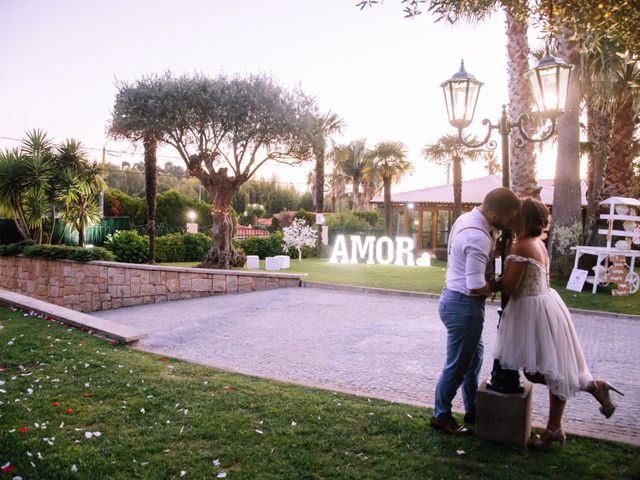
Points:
[(464, 317)]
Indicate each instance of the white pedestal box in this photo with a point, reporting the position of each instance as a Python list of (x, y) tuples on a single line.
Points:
[(272, 263), (253, 261), (285, 261)]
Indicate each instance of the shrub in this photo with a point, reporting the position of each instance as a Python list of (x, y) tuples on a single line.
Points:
[(348, 222), (275, 225), (308, 217), (182, 247), (14, 248), (169, 248), (79, 254), (440, 253), (128, 246), (263, 247), (194, 246), (371, 217)]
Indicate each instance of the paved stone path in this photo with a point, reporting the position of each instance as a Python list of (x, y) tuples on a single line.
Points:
[(383, 346)]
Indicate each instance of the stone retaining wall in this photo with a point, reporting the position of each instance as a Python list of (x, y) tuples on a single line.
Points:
[(92, 286)]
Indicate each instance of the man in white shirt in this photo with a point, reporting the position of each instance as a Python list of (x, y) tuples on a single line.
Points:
[(461, 305)]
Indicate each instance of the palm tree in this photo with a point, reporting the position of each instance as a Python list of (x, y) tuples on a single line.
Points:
[(450, 150), (567, 217), (136, 117), (618, 172), (351, 160), (80, 183), (25, 179), (491, 163), (324, 127), (388, 165), (337, 183)]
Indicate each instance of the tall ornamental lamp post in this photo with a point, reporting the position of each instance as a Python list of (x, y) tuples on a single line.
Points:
[(549, 82)]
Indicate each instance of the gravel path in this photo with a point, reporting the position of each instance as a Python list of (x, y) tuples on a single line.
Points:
[(382, 346)]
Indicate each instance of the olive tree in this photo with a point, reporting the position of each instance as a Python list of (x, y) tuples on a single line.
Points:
[(225, 129)]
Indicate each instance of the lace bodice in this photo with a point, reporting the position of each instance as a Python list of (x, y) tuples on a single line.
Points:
[(536, 276)]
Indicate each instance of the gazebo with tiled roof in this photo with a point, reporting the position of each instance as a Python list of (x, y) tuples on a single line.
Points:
[(434, 206)]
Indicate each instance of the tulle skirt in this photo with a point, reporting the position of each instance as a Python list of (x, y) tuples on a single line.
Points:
[(536, 334)]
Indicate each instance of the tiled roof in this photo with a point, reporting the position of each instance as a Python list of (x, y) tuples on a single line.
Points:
[(473, 192)]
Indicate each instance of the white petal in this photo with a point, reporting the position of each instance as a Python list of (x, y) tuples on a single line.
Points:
[(74, 469), (222, 475)]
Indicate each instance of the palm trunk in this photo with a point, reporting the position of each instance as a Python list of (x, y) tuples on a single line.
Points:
[(567, 227), (81, 239), (151, 191), (457, 188), (618, 173), (522, 159), (388, 210), (356, 194), (598, 133), (221, 254), (319, 193)]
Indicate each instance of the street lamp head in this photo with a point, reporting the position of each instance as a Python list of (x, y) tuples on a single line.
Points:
[(461, 94), (549, 82), (191, 215)]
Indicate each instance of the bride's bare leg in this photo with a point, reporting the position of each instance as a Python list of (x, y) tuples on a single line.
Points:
[(556, 409)]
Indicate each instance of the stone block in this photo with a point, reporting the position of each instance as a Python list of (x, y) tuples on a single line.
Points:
[(218, 285), (161, 289), (201, 285), (503, 418), (232, 284), (173, 296), (148, 290), (131, 301), (106, 305), (161, 298), (116, 303), (245, 284), (173, 284), (148, 299)]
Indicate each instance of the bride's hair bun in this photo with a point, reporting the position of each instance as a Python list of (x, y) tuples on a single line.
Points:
[(535, 217)]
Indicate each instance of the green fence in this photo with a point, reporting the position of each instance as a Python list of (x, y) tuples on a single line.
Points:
[(94, 235)]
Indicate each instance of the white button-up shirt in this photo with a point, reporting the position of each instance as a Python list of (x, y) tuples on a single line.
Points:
[(470, 247)]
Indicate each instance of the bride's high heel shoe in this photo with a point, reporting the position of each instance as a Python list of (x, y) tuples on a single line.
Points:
[(600, 391), (544, 441)]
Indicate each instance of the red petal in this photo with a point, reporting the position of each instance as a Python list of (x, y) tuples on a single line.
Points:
[(87, 394), (24, 429), (1, 368), (55, 404), (69, 410), (7, 468), (229, 389)]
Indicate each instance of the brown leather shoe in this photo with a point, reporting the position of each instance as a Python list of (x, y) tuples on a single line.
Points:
[(470, 418), (449, 425)]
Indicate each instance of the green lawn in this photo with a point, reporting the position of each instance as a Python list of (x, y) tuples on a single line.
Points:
[(158, 417), (431, 280)]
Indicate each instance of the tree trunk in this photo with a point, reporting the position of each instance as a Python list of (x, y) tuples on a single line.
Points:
[(319, 193), (388, 208), (522, 159), (221, 254), (598, 133), (618, 172), (356, 194), (151, 190), (567, 228), (81, 235), (457, 188), (333, 203)]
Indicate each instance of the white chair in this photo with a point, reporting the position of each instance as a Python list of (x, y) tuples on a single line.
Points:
[(285, 261), (272, 263), (253, 261)]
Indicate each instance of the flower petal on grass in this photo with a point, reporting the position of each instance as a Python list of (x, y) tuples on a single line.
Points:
[(222, 475), (23, 429), (7, 467), (55, 404)]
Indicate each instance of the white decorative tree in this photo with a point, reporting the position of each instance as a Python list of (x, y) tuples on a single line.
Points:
[(297, 235)]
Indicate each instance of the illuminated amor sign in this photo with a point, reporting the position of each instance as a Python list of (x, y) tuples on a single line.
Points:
[(384, 250)]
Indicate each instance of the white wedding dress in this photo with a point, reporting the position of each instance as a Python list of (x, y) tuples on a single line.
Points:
[(536, 334)]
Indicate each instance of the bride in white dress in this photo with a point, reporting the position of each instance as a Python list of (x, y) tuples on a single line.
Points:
[(536, 332)]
